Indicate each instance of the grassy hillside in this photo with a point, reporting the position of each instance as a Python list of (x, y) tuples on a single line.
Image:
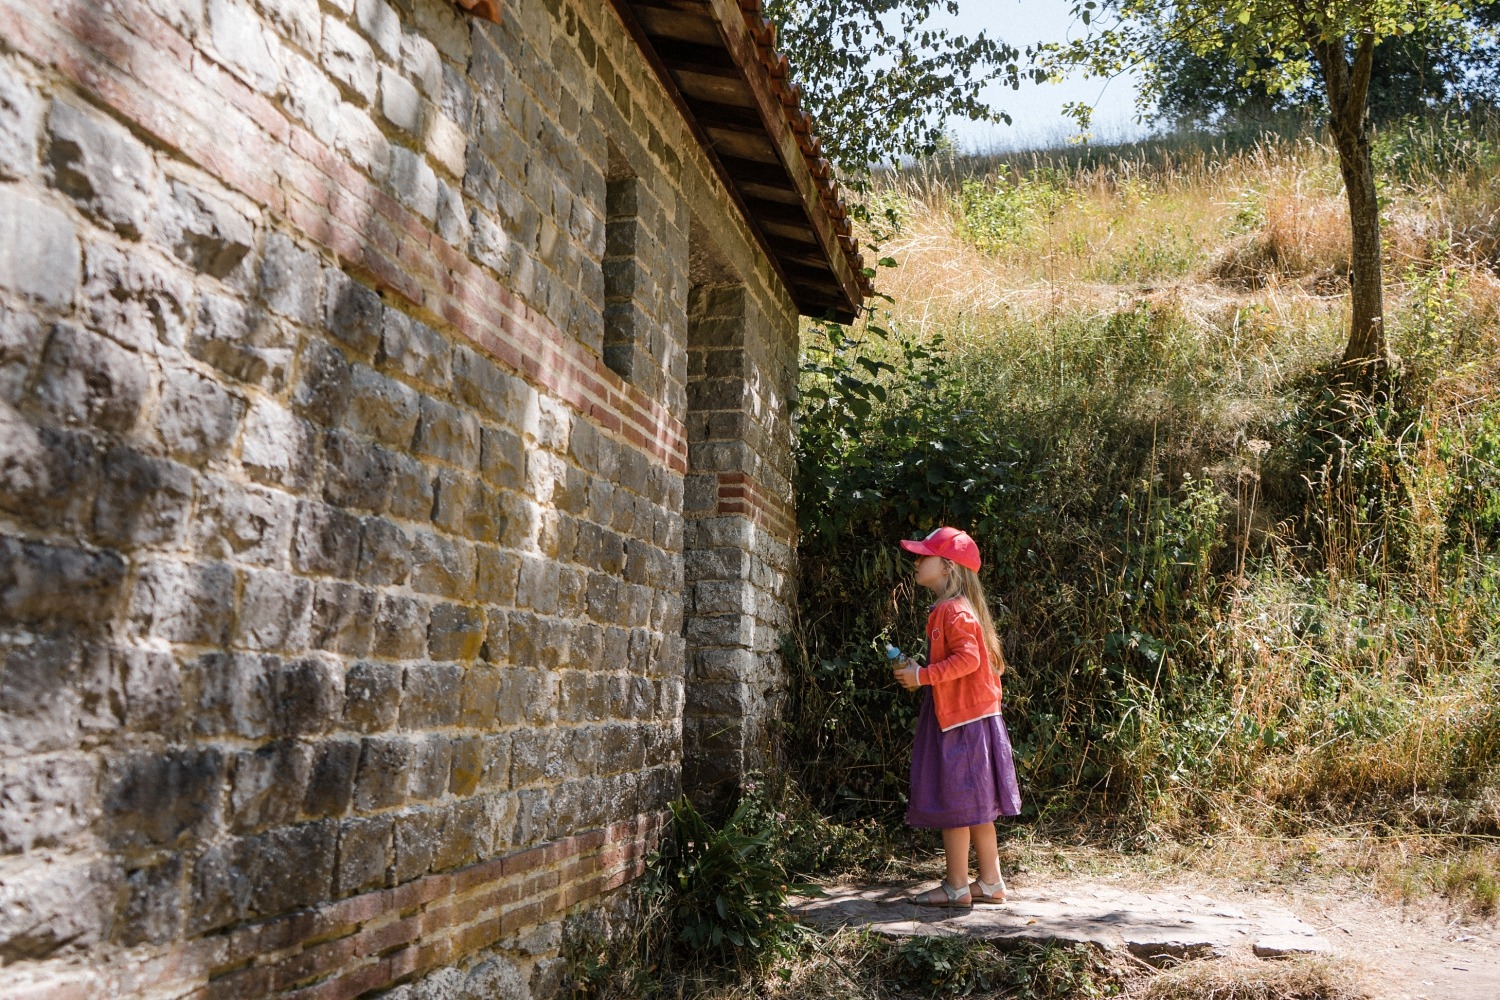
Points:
[(1228, 609)]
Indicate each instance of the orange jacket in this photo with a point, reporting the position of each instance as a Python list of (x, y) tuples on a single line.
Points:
[(964, 688)]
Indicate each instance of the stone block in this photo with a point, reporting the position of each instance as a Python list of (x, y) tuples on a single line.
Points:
[(326, 541), (135, 299), (204, 231), (38, 249), (453, 492), (153, 908), (296, 20), (366, 854), (44, 801), (381, 24), (235, 694), (420, 60), (279, 448), (432, 759), (537, 584), (245, 45), (251, 346), (502, 460), (358, 137), (266, 785), (330, 785), (467, 765), (372, 696), (432, 695), (309, 695), (182, 602), (411, 489), (48, 477), (455, 632), (219, 891), (452, 216), (381, 407), (342, 617), (251, 524), (196, 419), (412, 349), (323, 383), (311, 96), (275, 612), (21, 341), (417, 835), (441, 565), (496, 648), (162, 799), (349, 60), (400, 631), (20, 121), (487, 516), (357, 474), (496, 575), (292, 867), (142, 501), (384, 552), (480, 697), (381, 780), (291, 280), (143, 689), (465, 830), (413, 182), (62, 907), (535, 757), (86, 381), (447, 434), (353, 314), (109, 174)]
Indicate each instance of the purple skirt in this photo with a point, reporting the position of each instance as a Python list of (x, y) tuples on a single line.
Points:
[(963, 777)]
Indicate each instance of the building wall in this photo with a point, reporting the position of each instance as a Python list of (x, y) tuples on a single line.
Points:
[(348, 589)]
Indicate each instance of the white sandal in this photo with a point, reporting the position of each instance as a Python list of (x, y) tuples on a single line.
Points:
[(954, 895), (987, 891)]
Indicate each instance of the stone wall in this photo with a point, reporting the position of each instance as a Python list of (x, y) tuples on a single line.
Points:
[(342, 559)]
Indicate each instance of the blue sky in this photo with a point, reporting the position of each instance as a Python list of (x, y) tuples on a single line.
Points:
[(1037, 109)]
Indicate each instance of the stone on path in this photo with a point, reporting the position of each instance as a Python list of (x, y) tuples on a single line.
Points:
[(1155, 927)]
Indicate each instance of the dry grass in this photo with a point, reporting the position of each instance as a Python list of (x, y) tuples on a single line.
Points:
[(1251, 979)]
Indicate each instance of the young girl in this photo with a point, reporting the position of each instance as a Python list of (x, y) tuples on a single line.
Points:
[(962, 775)]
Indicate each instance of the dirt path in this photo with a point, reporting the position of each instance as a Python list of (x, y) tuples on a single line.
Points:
[(1412, 952)]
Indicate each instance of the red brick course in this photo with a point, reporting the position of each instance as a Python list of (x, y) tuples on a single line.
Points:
[(739, 493), (369, 942)]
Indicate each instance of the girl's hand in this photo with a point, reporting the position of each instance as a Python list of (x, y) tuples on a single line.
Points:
[(907, 674)]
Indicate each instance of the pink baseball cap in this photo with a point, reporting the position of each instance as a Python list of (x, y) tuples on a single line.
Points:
[(950, 543)]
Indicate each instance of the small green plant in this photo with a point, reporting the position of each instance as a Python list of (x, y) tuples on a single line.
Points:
[(721, 890), (999, 214)]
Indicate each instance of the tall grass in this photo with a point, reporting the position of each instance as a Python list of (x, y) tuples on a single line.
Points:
[(1224, 608)]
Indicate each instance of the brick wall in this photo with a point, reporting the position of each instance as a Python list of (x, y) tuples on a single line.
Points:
[(342, 619)]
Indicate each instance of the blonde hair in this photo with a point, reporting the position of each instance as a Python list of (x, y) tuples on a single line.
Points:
[(963, 582)]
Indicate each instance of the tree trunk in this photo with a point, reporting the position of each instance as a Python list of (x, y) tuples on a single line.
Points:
[(1365, 366)]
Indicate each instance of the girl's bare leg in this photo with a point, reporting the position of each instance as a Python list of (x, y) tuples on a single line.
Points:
[(986, 851), (956, 846)]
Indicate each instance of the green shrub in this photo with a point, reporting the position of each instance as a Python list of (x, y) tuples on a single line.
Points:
[(721, 891)]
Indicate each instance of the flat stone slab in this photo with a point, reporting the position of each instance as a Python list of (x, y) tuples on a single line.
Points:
[(1156, 926)]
